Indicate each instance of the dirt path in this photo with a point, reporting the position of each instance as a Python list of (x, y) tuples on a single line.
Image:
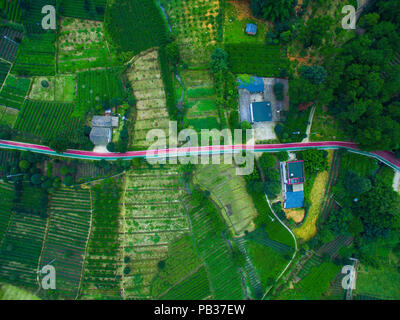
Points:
[(310, 120)]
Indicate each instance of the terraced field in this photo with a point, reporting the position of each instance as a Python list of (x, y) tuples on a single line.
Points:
[(228, 191), (7, 193), (67, 235), (154, 217), (224, 276), (9, 42), (81, 46), (145, 77)]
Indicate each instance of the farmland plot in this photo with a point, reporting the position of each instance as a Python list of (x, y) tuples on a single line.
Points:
[(200, 100), (154, 217), (93, 10), (98, 88), (144, 75), (7, 194), (228, 190), (224, 277), (82, 46), (8, 159), (182, 263), (195, 24), (4, 69), (36, 55), (60, 88), (11, 9), (33, 17), (44, 119), (8, 116), (21, 249), (67, 235), (103, 263), (14, 91), (9, 42)]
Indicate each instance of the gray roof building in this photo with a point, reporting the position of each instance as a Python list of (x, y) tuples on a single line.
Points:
[(100, 136), (104, 121)]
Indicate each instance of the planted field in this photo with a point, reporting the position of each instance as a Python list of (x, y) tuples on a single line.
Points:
[(182, 263), (14, 91), (196, 25), (145, 77), (21, 249), (317, 281), (360, 164), (228, 191), (9, 292), (135, 26), (36, 55), (11, 9), (200, 100), (59, 88), (67, 235), (154, 217), (44, 119), (82, 46), (195, 287), (8, 116), (265, 61), (93, 9), (7, 193), (103, 263), (268, 263), (210, 244), (8, 159), (98, 88), (9, 42), (4, 69)]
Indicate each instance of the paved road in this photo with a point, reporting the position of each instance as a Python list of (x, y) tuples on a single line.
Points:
[(383, 156)]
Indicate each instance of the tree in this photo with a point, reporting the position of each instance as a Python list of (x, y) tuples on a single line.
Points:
[(278, 91), (24, 165), (59, 143), (36, 179), (111, 147), (69, 180), (172, 51), (266, 161), (316, 30), (161, 265), (219, 61), (272, 188), (273, 10), (64, 170), (316, 74), (355, 184), (314, 160), (282, 156)]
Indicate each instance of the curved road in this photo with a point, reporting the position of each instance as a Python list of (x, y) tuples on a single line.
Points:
[(386, 157)]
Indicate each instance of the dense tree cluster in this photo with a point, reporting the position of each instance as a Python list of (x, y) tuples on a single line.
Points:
[(273, 10)]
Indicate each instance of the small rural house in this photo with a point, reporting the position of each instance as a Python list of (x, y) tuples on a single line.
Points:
[(293, 179), (251, 29), (101, 133)]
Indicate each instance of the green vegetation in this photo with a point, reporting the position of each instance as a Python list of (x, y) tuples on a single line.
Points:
[(134, 26), (98, 90), (36, 55), (67, 235), (256, 59), (45, 119), (13, 93), (9, 292), (87, 9), (102, 262)]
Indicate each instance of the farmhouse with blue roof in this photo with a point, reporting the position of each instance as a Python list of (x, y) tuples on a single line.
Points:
[(251, 29), (293, 179)]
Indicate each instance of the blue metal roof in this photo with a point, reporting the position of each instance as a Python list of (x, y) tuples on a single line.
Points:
[(261, 111), (251, 28), (255, 85), (294, 200)]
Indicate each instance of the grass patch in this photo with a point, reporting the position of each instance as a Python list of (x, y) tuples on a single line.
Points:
[(203, 123), (9, 292), (200, 92), (360, 164), (309, 228), (325, 128)]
